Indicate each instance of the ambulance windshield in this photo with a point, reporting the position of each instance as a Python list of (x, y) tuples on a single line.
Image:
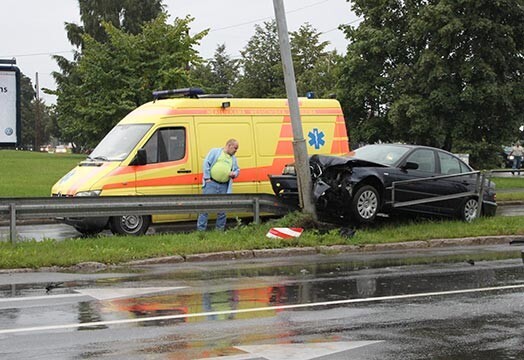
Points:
[(117, 144)]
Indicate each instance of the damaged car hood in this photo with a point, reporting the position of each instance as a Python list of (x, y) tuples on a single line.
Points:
[(325, 161)]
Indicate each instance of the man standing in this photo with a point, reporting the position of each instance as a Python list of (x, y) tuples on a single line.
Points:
[(219, 170), (517, 151)]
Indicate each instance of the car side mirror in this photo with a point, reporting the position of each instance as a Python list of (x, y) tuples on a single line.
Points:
[(410, 166), (140, 158)]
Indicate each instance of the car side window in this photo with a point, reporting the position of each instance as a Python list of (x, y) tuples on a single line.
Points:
[(449, 165), (424, 159), (167, 144)]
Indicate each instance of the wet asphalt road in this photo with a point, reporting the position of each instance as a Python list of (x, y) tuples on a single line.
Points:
[(352, 306)]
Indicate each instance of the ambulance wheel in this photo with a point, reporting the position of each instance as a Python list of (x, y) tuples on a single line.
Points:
[(129, 224)]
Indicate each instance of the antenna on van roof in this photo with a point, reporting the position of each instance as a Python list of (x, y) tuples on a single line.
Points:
[(186, 92)]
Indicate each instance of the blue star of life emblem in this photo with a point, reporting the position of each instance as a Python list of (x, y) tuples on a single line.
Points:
[(316, 138)]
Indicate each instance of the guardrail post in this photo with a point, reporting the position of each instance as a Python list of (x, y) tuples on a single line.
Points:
[(12, 223), (481, 192), (256, 211)]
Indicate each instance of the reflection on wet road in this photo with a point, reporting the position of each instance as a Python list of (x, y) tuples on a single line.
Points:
[(153, 313)]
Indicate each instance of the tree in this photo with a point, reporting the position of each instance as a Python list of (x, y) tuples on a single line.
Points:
[(218, 75), (27, 111), (262, 75), (315, 67), (444, 73), (114, 77), (34, 133), (127, 15)]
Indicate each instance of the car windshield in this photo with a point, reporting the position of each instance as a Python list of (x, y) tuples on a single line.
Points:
[(117, 144), (381, 154)]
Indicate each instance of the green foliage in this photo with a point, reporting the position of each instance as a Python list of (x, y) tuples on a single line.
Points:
[(35, 133), (435, 72), (27, 111), (127, 15), (315, 67), (262, 76), (218, 75), (114, 77), (262, 68)]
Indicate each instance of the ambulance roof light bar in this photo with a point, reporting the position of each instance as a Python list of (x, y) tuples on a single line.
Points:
[(186, 92)]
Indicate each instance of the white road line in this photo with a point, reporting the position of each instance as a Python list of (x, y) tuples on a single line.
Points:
[(268, 308), (43, 297), (98, 294)]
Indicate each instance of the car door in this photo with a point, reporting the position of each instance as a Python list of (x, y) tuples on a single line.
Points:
[(420, 186), (451, 165)]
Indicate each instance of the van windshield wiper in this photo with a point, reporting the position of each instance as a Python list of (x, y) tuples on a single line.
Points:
[(103, 158)]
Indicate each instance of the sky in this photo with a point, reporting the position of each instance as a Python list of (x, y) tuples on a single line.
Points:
[(31, 31)]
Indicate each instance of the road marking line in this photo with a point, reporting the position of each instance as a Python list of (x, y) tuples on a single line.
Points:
[(99, 294), (268, 308), (43, 297)]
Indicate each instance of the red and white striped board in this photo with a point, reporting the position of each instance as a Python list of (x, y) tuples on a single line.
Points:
[(284, 233)]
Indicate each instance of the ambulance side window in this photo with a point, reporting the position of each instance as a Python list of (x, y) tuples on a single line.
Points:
[(167, 144)]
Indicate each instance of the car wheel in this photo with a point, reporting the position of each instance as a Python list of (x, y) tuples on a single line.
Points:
[(469, 209), (365, 204), (129, 224)]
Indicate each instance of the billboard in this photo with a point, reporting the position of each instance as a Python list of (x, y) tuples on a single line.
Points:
[(9, 106)]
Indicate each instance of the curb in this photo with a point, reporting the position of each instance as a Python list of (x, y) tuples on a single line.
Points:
[(305, 251)]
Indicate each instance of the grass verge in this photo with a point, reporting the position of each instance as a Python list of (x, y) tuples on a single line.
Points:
[(32, 174), (115, 249)]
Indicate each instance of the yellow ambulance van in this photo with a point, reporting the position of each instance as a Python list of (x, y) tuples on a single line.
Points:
[(159, 148)]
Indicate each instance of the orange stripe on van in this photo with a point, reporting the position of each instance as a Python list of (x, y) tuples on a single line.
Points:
[(73, 189), (284, 147), (232, 111), (164, 181), (340, 130), (340, 147), (124, 170), (246, 175), (286, 131)]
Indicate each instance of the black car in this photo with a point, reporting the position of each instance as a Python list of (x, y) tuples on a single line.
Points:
[(391, 178)]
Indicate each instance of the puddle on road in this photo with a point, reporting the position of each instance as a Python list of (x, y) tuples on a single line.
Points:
[(226, 291)]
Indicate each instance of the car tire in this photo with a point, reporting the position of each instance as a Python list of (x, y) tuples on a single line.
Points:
[(129, 224), (469, 209), (365, 204)]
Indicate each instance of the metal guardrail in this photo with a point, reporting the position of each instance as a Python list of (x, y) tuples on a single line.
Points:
[(50, 207), (479, 190)]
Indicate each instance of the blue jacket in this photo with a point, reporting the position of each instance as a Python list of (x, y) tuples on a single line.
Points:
[(211, 159)]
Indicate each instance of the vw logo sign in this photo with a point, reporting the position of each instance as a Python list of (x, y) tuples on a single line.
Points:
[(8, 131)]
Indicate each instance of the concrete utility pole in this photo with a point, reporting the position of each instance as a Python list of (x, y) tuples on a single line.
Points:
[(299, 144)]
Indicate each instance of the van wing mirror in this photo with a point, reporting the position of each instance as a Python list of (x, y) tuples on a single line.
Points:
[(140, 158)]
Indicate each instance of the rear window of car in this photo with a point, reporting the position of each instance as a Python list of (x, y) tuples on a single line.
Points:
[(450, 165)]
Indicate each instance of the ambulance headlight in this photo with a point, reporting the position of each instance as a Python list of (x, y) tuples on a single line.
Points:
[(89, 193)]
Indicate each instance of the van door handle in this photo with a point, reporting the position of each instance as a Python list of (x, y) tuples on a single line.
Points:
[(182, 171)]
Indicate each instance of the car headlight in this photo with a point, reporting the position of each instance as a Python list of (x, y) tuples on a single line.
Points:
[(289, 170), (89, 193), (511, 157)]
